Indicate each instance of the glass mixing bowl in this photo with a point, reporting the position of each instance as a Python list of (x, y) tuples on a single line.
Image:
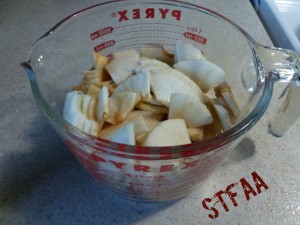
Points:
[(152, 174)]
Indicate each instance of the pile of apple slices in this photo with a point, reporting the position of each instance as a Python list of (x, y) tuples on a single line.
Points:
[(152, 98)]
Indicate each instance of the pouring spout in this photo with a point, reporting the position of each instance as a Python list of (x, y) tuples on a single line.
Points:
[(29, 70), (283, 65)]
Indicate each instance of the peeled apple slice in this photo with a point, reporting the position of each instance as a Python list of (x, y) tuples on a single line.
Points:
[(90, 77), (151, 119), (122, 65), (138, 123), (168, 133), (152, 108), (224, 91), (124, 135), (168, 81), (102, 107), (110, 84), (152, 101), (93, 91), (77, 120), (196, 134), (190, 109), (141, 138), (204, 73), (185, 51), (99, 60), (94, 128), (87, 106), (120, 105), (86, 100), (73, 103), (139, 83), (150, 65), (145, 114), (157, 52), (76, 112), (90, 127), (222, 115)]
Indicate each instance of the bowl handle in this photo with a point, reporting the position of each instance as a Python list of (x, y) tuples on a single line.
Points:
[(284, 66)]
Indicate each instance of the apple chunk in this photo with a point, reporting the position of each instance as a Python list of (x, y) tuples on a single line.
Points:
[(168, 133), (190, 109), (204, 73), (120, 105), (185, 51), (168, 81), (139, 83), (122, 65), (124, 135)]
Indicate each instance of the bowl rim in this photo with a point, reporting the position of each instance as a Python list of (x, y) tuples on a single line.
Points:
[(68, 130)]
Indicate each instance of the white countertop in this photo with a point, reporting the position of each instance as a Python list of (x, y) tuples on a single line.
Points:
[(42, 183), (281, 19)]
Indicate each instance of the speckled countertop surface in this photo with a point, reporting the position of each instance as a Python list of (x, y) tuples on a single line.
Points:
[(42, 183)]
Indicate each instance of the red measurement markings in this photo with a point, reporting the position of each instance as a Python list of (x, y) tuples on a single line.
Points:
[(195, 37), (104, 45), (160, 24), (100, 33)]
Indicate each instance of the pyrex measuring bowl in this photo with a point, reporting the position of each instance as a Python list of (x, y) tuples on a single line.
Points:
[(58, 59)]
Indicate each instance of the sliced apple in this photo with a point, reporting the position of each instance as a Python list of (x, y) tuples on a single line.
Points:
[(92, 109), (90, 127), (168, 81), (122, 65), (173, 110), (222, 114), (88, 106), (93, 91), (150, 65), (77, 120), (94, 128), (152, 101), (85, 105), (110, 84), (73, 103), (224, 92), (204, 73), (102, 106), (190, 109), (158, 109), (157, 52), (151, 119), (99, 60), (147, 115), (138, 123), (124, 135), (89, 77), (141, 138), (196, 133), (76, 111), (168, 133), (120, 104), (139, 83), (185, 51)]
